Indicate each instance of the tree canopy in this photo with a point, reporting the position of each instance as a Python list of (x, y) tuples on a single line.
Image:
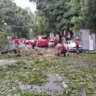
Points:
[(14, 19), (74, 14), (40, 24)]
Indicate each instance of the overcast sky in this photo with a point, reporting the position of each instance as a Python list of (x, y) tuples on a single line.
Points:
[(25, 4)]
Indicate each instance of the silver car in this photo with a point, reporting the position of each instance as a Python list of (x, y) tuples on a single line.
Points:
[(71, 46)]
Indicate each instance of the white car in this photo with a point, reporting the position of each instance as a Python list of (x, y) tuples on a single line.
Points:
[(71, 46), (50, 44)]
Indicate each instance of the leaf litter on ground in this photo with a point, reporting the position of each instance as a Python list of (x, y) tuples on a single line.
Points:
[(78, 71)]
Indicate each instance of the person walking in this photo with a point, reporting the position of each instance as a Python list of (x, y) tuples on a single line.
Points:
[(77, 44)]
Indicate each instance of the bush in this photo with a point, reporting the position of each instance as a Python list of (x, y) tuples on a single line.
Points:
[(2, 40)]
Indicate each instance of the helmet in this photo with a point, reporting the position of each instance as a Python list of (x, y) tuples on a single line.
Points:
[(77, 37)]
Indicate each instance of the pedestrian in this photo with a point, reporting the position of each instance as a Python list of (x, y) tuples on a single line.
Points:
[(46, 36), (24, 41), (60, 36), (10, 43), (17, 43), (57, 36), (67, 34), (77, 44), (71, 34), (55, 41), (64, 33), (51, 36)]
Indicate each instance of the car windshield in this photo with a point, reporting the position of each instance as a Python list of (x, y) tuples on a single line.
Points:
[(44, 37), (76, 39), (73, 41), (68, 42)]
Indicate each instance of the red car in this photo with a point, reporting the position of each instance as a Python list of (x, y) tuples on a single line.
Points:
[(29, 42), (42, 41)]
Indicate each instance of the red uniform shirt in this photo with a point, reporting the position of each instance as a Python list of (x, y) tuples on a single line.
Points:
[(55, 41), (24, 41), (17, 41), (77, 42), (30, 43), (63, 47)]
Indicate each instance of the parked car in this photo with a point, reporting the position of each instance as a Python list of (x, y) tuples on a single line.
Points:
[(41, 41), (29, 42), (71, 46), (50, 44)]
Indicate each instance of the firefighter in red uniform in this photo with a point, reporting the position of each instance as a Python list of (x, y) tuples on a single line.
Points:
[(16, 41), (24, 41), (55, 41), (77, 44), (31, 43), (61, 50)]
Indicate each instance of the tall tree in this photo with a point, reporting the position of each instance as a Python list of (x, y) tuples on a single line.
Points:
[(20, 20), (40, 24), (75, 14), (14, 19)]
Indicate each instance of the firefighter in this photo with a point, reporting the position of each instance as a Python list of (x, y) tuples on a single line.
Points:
[(55, 41), (61, 50), (77, 44), (16, 41)]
